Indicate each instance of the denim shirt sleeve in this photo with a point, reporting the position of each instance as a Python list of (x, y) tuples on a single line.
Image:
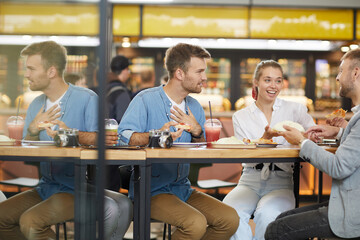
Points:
[(91, 113), (134, 120)]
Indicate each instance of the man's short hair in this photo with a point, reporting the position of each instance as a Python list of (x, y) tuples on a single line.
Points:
[(119, 63), (179, 56), (354, 56), (52, 54)]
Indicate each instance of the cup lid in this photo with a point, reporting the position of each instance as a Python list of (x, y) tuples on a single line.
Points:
[(213, 123), (14, 120)]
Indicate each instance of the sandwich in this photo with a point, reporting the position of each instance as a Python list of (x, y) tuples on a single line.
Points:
[(184, 126), (340, 113), (279, 127), (45, 124)]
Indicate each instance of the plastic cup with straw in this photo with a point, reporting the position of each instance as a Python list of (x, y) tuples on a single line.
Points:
[(212, 128), (15, 125)]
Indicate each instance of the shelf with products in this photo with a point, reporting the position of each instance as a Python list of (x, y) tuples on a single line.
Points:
[(247, 69), (326, 86), (3, 72), (217, 87), (218, 77), (295, 75), (76, 63)]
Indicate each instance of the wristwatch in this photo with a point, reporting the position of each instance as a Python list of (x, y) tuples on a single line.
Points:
[(199, 136)]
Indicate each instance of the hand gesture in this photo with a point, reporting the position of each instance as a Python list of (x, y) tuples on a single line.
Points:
[(292, 135), (181, 117), (269, 133), (50, 115), (337, 122)]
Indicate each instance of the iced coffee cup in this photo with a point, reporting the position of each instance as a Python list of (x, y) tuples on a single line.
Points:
[(111, 125), (15, 126), (212, 130)]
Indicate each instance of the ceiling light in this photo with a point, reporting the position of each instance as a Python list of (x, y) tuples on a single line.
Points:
[(345, 48), (354, 46), (63, 40), (304, 45)]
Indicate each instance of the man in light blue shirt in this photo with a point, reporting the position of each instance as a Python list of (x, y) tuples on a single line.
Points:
[(196, 215), (30, 214)]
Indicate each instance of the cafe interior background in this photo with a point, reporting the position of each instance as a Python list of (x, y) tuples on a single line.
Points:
[(306, 37)]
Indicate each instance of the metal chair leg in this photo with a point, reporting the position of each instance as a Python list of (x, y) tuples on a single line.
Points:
[(65, 232), (169, 231), (164, 232), (57, 231)]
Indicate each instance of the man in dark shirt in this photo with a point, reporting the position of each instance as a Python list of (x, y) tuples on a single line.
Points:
[(118, 95), (118, 98)]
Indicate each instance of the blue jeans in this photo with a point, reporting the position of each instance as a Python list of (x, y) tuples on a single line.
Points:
[(302, 223)]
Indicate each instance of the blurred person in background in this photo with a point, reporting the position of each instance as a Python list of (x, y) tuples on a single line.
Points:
[(76, 79), (118, 98), (164, 79), (147, 80), (30, 214), (264, 190)]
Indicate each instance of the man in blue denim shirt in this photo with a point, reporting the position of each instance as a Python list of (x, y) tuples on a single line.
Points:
[(196, 215), (30, 214)]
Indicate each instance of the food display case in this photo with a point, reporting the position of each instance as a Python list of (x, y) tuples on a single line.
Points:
[(217, 86), (326, 86)]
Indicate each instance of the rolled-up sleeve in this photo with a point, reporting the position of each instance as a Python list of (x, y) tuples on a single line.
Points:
[(134, 120)]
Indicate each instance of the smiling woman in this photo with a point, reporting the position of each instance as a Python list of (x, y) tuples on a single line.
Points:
[(264, 190)]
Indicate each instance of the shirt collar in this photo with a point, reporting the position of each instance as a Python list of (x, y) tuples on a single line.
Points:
[(276, 106), (355, 109)]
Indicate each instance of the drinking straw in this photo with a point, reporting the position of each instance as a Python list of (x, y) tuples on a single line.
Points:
[(210, 114), (17, 113)]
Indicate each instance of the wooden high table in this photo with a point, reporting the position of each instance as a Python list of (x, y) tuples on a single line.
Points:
[(81, 158), (209, 155)]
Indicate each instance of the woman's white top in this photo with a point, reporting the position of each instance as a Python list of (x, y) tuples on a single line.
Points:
[(250, 123)]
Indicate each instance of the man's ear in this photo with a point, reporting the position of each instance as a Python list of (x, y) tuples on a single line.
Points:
[(356, 72), (51, 72), (179, 74)]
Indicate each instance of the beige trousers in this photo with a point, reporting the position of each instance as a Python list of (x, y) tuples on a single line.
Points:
[(201, 217), (34, 215)]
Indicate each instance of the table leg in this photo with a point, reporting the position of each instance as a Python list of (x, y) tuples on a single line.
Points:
[(147, 190), (85, 220), (137, 206), (296, 178)]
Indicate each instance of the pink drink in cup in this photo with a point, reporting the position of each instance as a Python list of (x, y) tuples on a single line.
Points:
[(15, 125), (212, 130)]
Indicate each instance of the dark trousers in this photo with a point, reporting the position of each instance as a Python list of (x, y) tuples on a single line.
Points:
[(302, 223)]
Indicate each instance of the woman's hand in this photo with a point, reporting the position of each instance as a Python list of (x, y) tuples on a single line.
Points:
[(269, 133)]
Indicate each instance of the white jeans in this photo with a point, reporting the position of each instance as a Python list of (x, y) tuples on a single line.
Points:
[(265, 199)]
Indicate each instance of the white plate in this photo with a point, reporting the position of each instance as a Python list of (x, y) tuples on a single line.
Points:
[(39, 143), (267, 145), (219, 145), (188, 145), (7, 143)]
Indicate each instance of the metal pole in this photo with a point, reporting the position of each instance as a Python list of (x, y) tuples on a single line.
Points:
[(103, 55)]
